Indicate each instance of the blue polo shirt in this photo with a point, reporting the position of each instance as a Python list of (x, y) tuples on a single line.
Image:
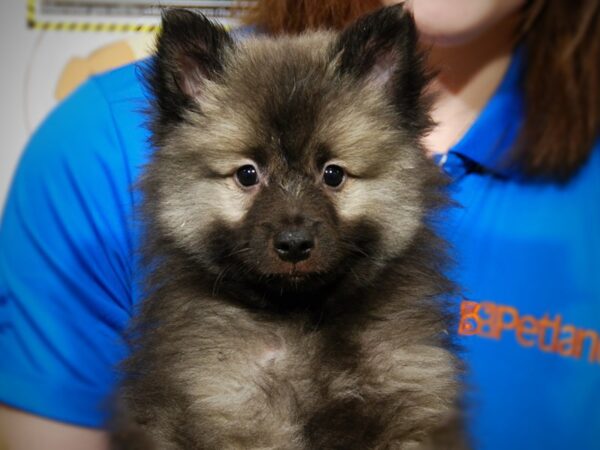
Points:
[(528, 259), (527, 252)]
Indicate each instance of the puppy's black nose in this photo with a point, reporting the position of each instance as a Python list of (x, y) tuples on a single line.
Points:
[(294, 245)]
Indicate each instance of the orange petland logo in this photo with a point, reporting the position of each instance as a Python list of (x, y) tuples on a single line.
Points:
[(547, 333)]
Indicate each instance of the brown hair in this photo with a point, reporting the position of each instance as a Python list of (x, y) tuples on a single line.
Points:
[(562, 75), (295, 16), (562, 87)]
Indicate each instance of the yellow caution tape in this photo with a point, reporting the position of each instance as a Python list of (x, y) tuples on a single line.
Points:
[(35, 24)]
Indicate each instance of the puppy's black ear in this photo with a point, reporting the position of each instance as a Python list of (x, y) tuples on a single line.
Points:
[(381, 48), (189, 50)]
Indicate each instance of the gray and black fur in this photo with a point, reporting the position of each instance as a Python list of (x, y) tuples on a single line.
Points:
[(291, 314)]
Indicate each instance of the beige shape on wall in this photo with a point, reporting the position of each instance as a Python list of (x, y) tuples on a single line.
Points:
[(111, 56)]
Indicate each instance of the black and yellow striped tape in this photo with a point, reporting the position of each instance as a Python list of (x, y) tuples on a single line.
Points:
[(35, 24)]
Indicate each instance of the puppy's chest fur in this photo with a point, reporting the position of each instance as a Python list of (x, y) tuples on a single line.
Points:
[(243, 378)]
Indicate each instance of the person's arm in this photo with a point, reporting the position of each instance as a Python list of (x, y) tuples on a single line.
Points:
[(67, 269), (22, 431)]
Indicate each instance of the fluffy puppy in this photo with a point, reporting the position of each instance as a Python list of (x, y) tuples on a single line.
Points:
[(293, 300)]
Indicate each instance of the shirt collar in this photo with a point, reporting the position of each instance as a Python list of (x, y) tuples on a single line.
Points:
[(486, 146)]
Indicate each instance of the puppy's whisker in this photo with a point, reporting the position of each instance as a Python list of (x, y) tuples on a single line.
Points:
[(220, 277), (238, 252)]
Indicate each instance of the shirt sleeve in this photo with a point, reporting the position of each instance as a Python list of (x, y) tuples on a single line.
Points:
[(66, 265)]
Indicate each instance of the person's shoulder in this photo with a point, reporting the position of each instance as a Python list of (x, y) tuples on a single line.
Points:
[(98, 96), (125, 83), (102, 120), (102, 105)]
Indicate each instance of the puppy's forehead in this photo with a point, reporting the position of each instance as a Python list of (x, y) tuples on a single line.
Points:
[(284, 99), (282, 65), (284, 84)]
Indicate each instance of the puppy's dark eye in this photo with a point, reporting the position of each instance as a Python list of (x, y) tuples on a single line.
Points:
[(333, 175), (247, 175)]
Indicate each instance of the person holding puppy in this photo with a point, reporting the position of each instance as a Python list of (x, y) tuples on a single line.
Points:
[(516, 103)]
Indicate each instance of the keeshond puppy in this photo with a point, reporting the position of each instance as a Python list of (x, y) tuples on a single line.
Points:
[(294, 299)]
